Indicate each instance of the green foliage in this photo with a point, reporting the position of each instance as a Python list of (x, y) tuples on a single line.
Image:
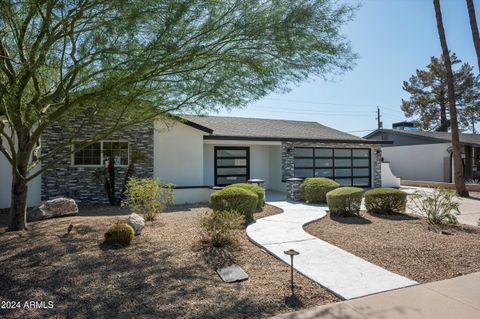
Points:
[(315, 189), (235, 199), (119, 233), (253, 188), (385, 201), (473, 181), (429, 98), (438, 205), (221, 227), (345, 201), (147, 196)]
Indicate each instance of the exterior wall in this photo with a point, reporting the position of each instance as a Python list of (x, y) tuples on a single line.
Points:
[(78, 182), (178, 153), (34, 186), (388, 178), (429, 162), (288, 162), (178, 159)]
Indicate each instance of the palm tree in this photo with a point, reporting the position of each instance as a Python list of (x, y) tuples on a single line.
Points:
[(474, 27), (457, 159)]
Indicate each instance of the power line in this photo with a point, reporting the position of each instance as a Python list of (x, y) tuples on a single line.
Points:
[(329, 103)]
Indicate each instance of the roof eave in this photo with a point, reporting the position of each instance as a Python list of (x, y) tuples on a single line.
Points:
[(291, 139)]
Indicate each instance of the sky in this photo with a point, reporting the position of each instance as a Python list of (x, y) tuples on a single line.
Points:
[(393, 38)]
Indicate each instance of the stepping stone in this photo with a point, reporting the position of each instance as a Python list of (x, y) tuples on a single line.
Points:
[(232, 273)]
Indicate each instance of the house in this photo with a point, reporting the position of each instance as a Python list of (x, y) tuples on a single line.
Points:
[(427, 156), (200, 152)]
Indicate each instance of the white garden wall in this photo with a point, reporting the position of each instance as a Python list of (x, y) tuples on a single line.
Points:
[(427, 162)]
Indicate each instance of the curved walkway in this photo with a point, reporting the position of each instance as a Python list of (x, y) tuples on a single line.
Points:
[(346, 275)]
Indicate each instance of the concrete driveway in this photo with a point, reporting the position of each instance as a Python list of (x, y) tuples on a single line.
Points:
[(469, 207)]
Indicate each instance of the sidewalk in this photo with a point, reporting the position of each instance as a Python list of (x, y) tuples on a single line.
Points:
[(346, 275), (456, 298)]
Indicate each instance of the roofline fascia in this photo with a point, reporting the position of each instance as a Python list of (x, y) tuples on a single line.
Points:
[(282, 139), (191, 124), (399, 132)]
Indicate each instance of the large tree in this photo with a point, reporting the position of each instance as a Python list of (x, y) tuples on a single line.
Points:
[(127, 61), (474, 28), (457, 159), (428, 90)]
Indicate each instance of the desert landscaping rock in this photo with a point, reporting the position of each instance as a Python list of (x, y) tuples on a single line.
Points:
[(232, 273), (57, 207), (137, 222)]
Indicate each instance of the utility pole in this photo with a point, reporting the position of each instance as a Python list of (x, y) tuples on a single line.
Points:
[(379, 119)]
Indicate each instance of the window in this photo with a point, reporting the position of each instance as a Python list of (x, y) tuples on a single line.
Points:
[(348, 167), (99, 153), (231, 165)]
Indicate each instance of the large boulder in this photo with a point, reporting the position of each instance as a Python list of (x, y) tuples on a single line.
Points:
[(57, 207), (137, 222)]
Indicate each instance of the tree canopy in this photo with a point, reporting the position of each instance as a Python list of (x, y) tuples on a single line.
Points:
[(428, 100), (127, 61)]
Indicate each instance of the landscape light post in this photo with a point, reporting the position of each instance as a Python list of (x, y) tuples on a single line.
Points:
[(291, 253)]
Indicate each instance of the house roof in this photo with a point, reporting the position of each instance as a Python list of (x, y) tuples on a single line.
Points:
[(465, 138), (241, 128)]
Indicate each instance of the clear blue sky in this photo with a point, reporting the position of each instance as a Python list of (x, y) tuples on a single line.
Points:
[(393, 38)]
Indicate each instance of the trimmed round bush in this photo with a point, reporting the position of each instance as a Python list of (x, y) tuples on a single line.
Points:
[(235, 199), (119, 233), (315, 189), (345, 201), (385, 201), (253, 188)]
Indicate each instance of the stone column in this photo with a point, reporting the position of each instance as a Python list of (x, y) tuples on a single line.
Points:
[(293, 188)]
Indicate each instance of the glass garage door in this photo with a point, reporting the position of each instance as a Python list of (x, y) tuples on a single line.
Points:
[(347, 166), (232, 165)]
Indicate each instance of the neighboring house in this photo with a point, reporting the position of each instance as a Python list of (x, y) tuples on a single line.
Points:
[(427, 156), (201, 152)]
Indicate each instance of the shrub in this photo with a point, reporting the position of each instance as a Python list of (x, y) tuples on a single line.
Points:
[(235, 199), (220, 227), (385, 201), (438, 205), (315, 189), (119, 233), (253, 188), (345, 201), (147, 196)]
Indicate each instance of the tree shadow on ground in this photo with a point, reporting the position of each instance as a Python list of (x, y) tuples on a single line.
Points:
[(351, 220), (395, 216)]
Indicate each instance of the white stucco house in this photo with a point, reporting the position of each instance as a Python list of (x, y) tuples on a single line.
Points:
[(200, 152), (427, 156)]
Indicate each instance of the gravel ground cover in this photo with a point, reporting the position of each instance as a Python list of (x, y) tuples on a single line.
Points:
[(166, 273), (404, 244)]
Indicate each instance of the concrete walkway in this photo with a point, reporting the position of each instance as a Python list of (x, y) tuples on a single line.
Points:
[(469, 207), (457, 298), (346, 275)]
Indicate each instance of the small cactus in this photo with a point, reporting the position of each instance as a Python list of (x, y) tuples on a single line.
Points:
[(119, 233)]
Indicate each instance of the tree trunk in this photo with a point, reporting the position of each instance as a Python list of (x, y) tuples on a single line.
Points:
[(18, 206), (457, 159), (474, 27)]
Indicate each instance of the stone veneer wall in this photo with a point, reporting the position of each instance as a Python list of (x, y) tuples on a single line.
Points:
[(78, 183), (288, 163)]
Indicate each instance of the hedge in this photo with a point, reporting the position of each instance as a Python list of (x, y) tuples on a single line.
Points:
[(345, 201), (235, 199), (315, 189), (385, 201), (253, 188)]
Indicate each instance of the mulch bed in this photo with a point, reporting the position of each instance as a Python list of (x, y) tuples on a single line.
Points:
[(404, 244), (165, 273)]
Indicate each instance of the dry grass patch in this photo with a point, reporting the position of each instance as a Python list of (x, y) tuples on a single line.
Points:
[(405, 245), (164, 273)]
